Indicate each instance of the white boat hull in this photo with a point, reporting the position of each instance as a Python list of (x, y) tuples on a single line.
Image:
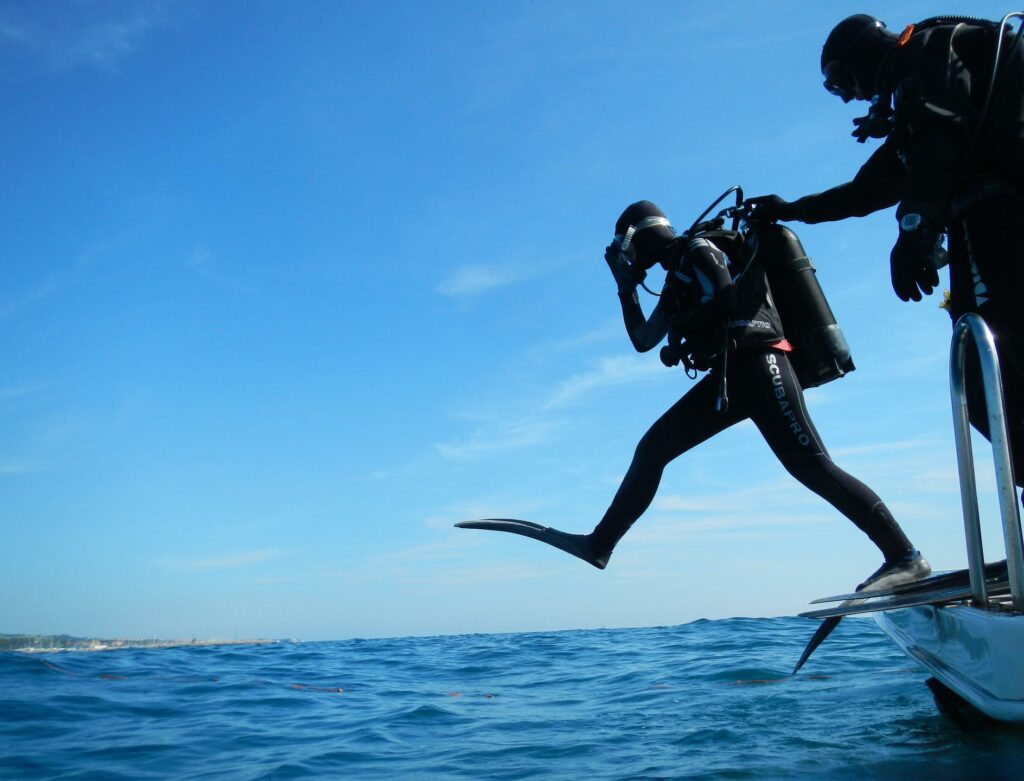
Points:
[(979, 654)]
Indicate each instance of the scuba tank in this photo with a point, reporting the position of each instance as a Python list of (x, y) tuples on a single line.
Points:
[(820, 353)]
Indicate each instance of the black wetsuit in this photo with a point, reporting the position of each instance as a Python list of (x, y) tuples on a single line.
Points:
[(698, 300), (970, 181)]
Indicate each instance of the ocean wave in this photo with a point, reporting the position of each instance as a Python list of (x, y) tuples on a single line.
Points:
[(710, 699)]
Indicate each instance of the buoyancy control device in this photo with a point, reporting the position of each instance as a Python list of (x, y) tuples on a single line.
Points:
[(820, 352)]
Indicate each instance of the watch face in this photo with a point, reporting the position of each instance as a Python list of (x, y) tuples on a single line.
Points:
[(910, 222)]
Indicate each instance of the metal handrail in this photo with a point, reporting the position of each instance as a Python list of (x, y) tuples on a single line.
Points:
[(971, 325)]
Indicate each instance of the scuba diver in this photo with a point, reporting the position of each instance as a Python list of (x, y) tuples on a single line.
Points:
[(718, 314), (947, 95)]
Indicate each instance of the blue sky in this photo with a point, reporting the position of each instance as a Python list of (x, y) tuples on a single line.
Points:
[(290, 288)]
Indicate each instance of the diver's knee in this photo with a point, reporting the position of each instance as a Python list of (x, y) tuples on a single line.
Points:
[(809, 469), (651, 448)]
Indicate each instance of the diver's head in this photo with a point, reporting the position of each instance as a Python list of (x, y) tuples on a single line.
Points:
[(644, 235), (852, 57)]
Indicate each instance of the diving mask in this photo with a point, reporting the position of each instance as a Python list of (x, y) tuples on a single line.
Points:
[(626, 245)]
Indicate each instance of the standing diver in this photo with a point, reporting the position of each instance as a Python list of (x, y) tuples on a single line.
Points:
[(718, 313), (947, 96)]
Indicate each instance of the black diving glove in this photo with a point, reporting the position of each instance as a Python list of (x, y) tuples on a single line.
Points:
[(877, 123), (626, 276), (670, 356), (916, 258), (770, 208)]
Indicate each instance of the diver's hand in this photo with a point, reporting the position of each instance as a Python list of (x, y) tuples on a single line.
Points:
[(623, 274), (916, 258), (770, 208)]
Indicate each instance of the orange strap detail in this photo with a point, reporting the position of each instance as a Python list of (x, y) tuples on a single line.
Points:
[(905, 36)]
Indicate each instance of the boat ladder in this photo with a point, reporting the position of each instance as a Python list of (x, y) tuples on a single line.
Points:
[(971, 328)]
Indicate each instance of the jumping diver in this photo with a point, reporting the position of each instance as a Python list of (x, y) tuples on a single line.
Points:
[(717, 313), (947, 95)]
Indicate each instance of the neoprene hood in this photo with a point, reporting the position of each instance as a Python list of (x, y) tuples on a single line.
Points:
[(853, 54), (645, 232)]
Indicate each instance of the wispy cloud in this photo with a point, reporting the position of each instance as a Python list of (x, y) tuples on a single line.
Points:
[(453, 574), (476, 279), (454, 559), (722, 503), (12, 33), (106, 43), (748, 501), (228, 561), (70, 274), (749, 524), (46, 288), (503, 430), (511, 506), (501, 435), (19, 469), (919, 445), (610, 331), (87, 34), (445, 549), (478, 575), (607, 372), (17, 392)]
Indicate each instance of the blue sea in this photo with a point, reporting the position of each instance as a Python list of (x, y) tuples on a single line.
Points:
[(705, 700)]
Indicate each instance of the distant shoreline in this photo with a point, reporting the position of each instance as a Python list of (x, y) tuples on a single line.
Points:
[(52, 643)]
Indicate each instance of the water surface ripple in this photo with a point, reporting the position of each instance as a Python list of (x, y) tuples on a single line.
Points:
[(707, 700)]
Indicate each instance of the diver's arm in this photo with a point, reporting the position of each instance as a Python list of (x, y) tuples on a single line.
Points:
[(703, 263), (645, 333), (877, 185)]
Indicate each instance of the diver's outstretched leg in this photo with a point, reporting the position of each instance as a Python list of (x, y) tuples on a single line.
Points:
[(687, 423), (690, 421)]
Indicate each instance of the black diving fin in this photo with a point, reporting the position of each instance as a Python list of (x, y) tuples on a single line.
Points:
[(943, 587), (887, 600), (995, 588), (995, 571), (823, 631), (578, 545)]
